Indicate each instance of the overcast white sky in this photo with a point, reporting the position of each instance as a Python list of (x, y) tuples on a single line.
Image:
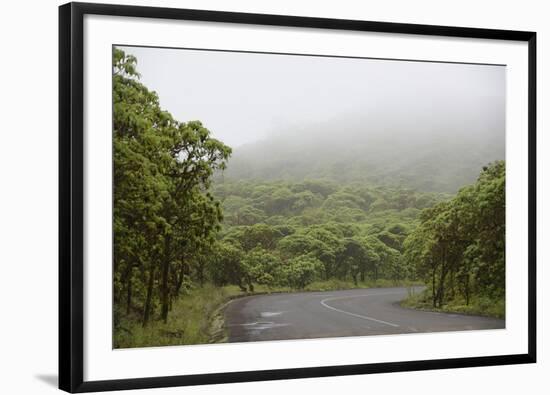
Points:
[(244, 97)]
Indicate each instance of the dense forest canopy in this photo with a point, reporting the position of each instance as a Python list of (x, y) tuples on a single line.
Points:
[(285, 214), (330, 230)]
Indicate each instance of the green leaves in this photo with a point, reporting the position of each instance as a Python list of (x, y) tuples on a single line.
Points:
[(301, 271), (465, 238), (164, 217)]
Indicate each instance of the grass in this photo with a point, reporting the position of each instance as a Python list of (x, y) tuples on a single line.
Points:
[(478, 305), (189, 321), (197, 317), (333, 284)]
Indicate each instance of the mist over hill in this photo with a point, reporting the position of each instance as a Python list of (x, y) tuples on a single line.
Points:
[(428, 154), (426, 125)]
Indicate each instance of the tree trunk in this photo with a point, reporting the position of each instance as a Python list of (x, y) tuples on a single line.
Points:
[(241, 286), (451, 291), (128, 275), (250, 285), (441, 288), (467, 290), (181, 276), (434, 299), (164, 281), (444, 271), (129, 293), (200, 273), (148, 299)]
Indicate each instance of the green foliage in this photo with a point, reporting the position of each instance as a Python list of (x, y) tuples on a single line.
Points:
[(164, 216), (261, 267), (351, 239), (300, 271), (225, 265), (458, 248), (477, 305)]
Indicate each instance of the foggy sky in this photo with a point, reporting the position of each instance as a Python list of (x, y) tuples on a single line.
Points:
[(243, 98)]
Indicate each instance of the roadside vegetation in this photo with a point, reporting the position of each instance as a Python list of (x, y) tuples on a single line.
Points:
[(478, 305), (187, 239), (458, 248)]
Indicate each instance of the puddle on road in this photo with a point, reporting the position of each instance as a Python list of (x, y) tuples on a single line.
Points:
[(261, 325), (271, 313), (258, 326)]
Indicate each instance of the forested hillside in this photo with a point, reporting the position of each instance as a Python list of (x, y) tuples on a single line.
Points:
[(193, 227), (396, 154), (284, 233)]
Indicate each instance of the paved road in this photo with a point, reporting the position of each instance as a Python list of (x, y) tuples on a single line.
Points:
[(357, 312)]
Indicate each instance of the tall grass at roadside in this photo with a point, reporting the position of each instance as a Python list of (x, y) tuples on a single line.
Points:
[(483, 306), (188, 323)]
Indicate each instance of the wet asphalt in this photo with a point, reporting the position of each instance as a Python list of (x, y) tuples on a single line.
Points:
[(357, 312)]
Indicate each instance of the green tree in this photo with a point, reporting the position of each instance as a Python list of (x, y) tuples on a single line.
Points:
[(163, 170), (301, 271), (261, 267), (458, 246)]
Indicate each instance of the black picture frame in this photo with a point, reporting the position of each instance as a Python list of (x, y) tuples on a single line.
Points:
[(71, 204)]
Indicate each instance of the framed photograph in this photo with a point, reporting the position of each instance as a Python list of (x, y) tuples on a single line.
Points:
[(248, 197)]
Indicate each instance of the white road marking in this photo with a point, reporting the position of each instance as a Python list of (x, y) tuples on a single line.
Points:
[(323, 302)]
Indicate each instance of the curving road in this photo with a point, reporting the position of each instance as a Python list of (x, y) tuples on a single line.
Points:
[(357, 312)]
